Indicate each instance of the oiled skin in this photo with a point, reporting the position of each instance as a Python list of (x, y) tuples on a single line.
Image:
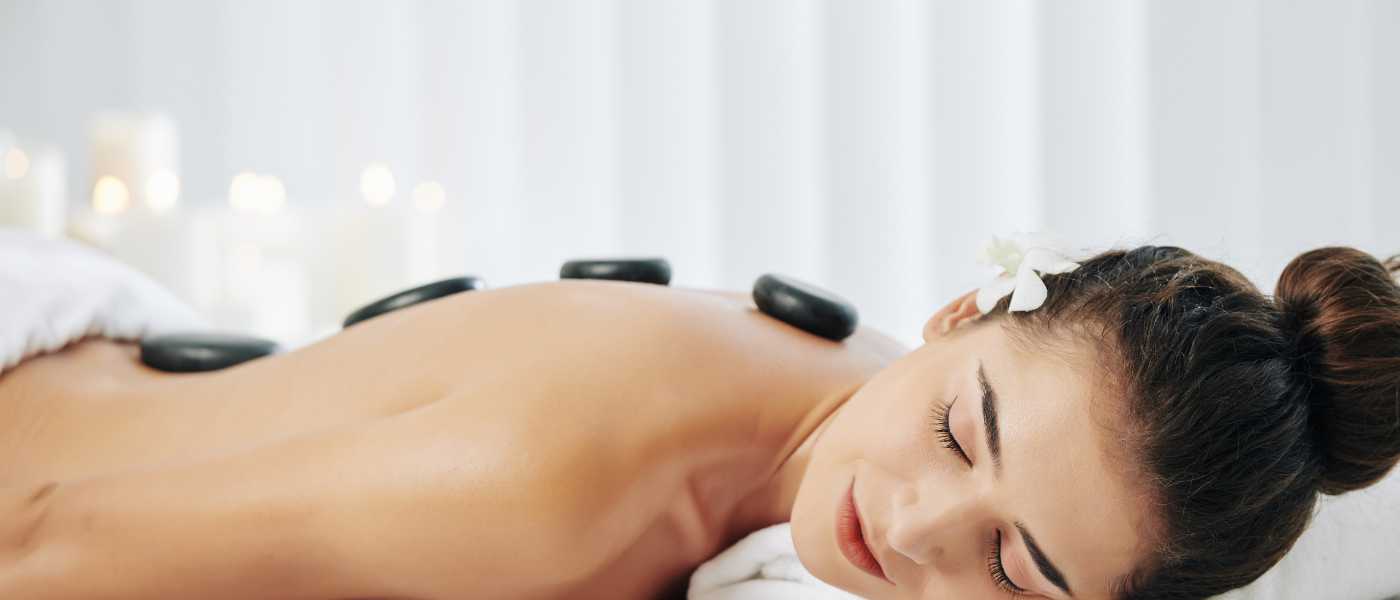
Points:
[(560, 439)]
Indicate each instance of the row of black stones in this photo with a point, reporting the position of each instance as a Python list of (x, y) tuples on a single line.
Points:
[(799, 304)]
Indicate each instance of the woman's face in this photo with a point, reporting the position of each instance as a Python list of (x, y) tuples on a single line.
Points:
[(1034, 503)]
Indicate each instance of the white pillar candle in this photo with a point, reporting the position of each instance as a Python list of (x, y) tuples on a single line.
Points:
[(378, 251), (176, 247), (383, 244), (141, 151), (33, 189), (263, 275), (261, 266), (371, 255), (179, 249)]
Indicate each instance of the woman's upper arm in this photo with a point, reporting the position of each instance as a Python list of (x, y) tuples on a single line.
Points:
[(432, 502)]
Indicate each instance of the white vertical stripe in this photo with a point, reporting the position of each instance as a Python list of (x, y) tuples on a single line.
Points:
[(984, 131), (1356, 101), (1311, 130), (276, 88), (1093, 57), (875, 162), (1383, 18), (567, 170), (774, 212), (472, 147), (667, 106), (1203, 60), (371, 87)]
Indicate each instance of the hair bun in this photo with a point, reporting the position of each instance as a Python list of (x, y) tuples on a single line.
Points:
[(1341, 310)]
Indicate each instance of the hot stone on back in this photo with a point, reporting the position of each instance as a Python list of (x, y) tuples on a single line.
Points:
[(805, 306)]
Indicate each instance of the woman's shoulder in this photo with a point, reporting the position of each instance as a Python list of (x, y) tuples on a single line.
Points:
[(677, 356), (715, 335)]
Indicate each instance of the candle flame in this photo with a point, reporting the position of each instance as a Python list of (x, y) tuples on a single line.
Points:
[(16, 163), (162, 191), (110, 195), (377, 184), (254, 193), (429, 196)]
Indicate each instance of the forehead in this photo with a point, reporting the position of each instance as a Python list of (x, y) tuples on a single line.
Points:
[(1064, 476)]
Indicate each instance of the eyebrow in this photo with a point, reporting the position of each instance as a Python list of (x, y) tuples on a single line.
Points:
[(1042, 562), (993, 433), (989, 417)]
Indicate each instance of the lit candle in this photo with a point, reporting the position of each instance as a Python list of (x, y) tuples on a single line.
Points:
[(141, 151), (33, 189), (381, 245), (424, 222), (262, 242), (134, 209), (175, 246)]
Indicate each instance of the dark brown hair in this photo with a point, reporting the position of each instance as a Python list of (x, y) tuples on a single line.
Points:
[(1238, 408)]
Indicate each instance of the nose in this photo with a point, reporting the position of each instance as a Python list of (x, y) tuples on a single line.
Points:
[(923, 524)]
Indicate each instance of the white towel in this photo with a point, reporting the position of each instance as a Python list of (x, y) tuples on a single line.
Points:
[(762, 566), (54, 292), (1349, 553)]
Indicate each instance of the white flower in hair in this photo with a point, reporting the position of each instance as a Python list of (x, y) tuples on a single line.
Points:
[(1020, 257)]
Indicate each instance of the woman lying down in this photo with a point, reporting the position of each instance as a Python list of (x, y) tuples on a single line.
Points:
[(1153, 427)]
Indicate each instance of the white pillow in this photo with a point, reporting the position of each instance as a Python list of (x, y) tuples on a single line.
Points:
[(1350, 552)]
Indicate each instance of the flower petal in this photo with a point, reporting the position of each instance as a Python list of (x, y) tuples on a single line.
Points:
[(1047, 260), (1002, 252), (1030, 291), (984, 254), (990, 294)]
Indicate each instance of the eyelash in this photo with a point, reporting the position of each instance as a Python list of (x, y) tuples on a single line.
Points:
[(941, 426), (998, 570)]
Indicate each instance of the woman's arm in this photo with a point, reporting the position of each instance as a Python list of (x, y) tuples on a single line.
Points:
[(431, 502)]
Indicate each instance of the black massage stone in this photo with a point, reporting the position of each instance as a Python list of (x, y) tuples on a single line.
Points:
[(194, 352), (422, 293), (642, 270), (805, 306)]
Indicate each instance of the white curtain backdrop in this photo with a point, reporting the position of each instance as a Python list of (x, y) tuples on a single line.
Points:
[(866, 146)]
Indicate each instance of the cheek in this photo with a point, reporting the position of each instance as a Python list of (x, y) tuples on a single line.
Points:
[(871, 433), (883, 430), (886, 426)]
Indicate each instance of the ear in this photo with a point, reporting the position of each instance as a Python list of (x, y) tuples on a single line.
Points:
[(962, 308)]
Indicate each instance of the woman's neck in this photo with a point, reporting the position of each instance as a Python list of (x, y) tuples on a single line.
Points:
[(772, 502)]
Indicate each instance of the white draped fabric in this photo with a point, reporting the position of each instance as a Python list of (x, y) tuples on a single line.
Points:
[(866, 146)]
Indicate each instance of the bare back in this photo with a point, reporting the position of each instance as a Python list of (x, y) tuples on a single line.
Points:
[(588, 407)]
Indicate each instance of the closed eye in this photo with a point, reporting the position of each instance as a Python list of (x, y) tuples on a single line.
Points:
[(942, 427), (944, 430)]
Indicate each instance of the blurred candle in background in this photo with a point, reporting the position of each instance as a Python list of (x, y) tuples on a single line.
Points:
[(33, 187), (176, 246), (142, 151), (263, 241), (134, 212), (381, 243), (425, 222)]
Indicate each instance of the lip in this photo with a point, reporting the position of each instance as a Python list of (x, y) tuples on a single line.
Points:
[(850, 536)]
